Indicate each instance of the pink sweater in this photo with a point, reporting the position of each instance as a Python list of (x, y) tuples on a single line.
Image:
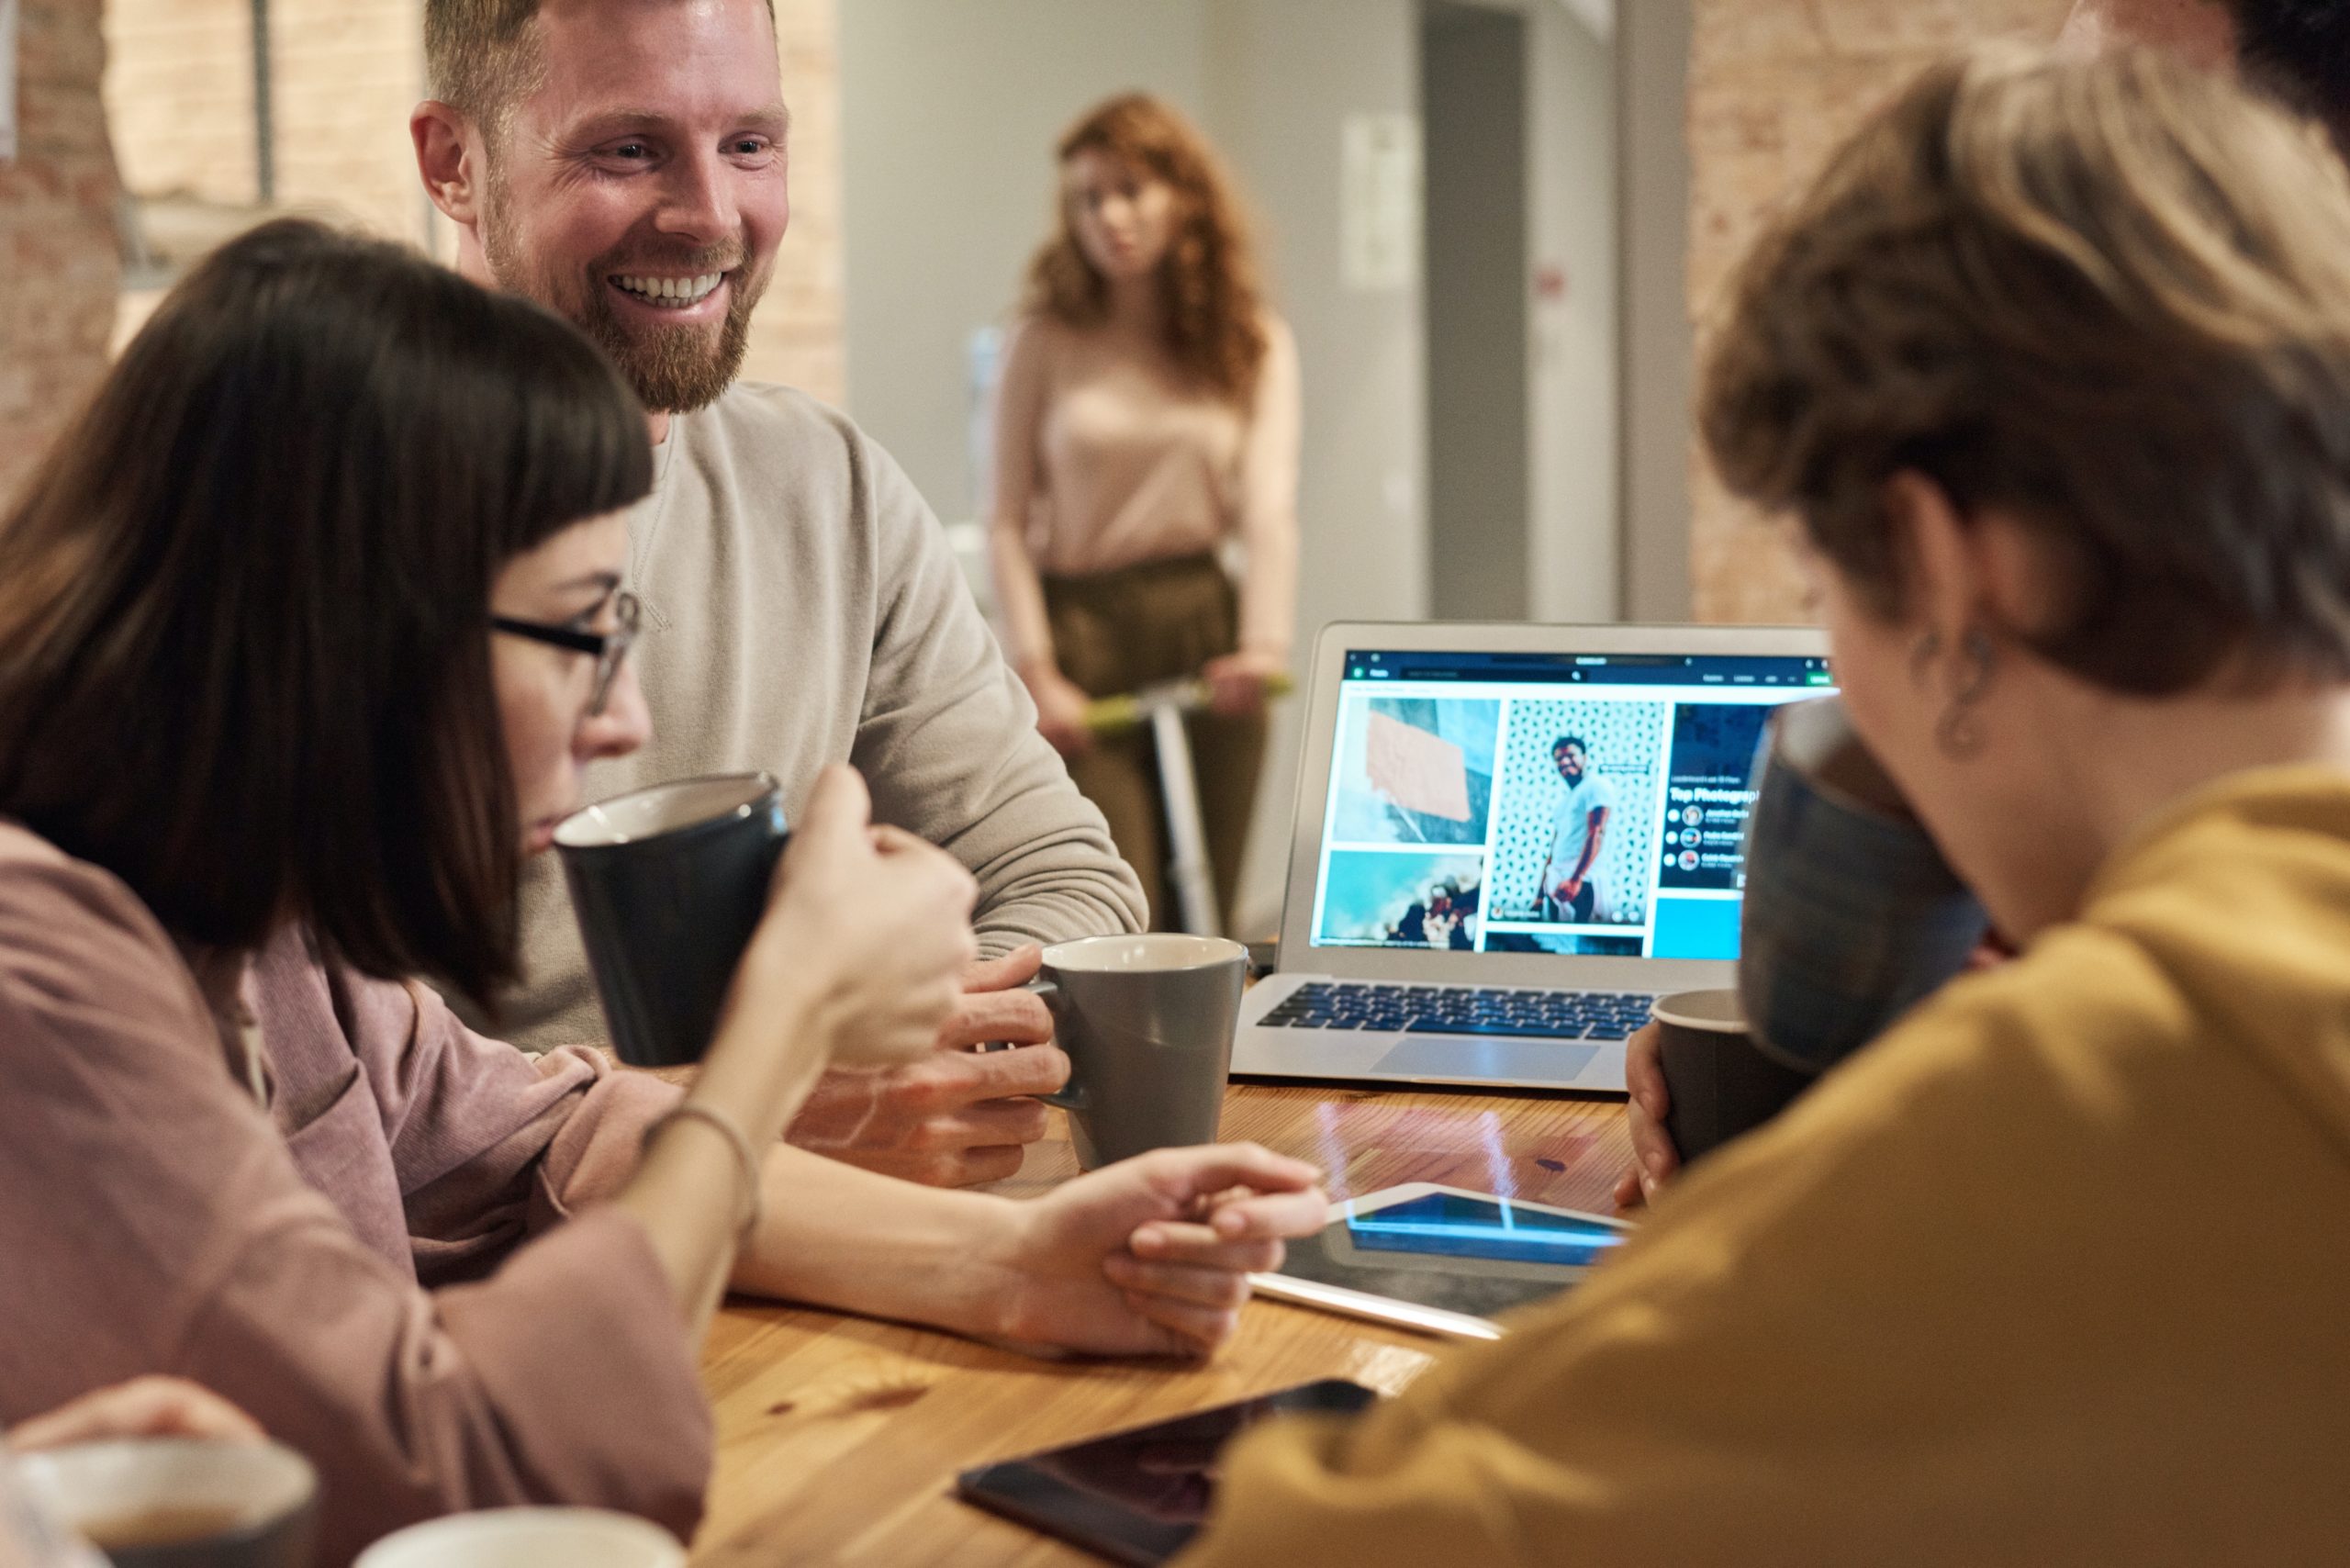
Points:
[(1108, 456), (375, 1267)]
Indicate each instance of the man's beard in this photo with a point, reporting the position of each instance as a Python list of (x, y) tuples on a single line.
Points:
[(674, 370)]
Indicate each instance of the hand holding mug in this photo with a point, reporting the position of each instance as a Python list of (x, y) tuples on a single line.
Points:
[(866, 933), (151, 1407), (1647, 1102), (955, 1117)]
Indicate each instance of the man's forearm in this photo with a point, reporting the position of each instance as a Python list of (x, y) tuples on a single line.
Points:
[(832, 1235), (1591, 840)]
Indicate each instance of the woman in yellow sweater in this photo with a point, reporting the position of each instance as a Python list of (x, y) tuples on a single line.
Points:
[(2051, 368)]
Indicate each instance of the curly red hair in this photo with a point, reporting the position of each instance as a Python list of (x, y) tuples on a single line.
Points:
[(1208, 278)]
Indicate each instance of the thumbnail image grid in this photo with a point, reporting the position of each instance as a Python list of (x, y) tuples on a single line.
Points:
[(1415, 770), (1382, 899), (1410, 772), (1623, 750)]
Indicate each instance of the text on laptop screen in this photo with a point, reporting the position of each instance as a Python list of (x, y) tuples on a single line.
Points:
[(1508, 803)]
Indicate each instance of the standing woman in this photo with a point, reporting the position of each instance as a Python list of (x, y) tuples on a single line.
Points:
[(1148, 414)]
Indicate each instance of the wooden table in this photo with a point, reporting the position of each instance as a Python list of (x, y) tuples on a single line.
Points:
[(838, 1439)]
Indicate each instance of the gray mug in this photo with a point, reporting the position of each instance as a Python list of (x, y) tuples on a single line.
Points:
[(1147, 1023), (1852, 915), (668, 883), (180, 1502)]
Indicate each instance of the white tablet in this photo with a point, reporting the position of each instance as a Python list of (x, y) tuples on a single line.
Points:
[(1440, 1259)]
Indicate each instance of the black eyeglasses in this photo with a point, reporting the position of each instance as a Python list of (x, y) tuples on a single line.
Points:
[(608, 647)]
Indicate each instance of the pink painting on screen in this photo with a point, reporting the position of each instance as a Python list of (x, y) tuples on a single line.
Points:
[(1418, 771)]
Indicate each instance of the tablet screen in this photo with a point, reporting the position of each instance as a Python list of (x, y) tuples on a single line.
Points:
[(1475, 1254), (1138, 1497)]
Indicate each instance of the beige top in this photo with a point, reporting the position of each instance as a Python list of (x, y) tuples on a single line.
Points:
[(802, 608), (382, 1266), (1106, 457), (2053, 1274)]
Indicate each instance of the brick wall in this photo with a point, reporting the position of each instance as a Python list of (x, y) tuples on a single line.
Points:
[(797, 335), (57, 232), (179, 94), (1773, 85), (344, 75)]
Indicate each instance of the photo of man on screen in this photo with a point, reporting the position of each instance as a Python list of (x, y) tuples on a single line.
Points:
[(1573, 888)]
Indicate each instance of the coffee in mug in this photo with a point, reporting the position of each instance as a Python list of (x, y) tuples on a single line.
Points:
[(668, 883), (180, 1502), (1147, 1023), (1718, 1084)]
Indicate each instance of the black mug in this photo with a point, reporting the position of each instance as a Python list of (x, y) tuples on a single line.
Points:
[(668, 883), (1716, 1084), (1851, 914), (180, 1502)]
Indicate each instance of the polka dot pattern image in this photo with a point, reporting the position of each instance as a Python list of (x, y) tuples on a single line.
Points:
[(1626, 741)]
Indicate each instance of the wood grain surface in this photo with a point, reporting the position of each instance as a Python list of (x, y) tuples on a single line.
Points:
[(839, 1438)]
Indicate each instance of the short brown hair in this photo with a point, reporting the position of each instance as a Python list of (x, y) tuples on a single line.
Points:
[(481, 55), (2110, 297), (1212, 326), (244, 604)]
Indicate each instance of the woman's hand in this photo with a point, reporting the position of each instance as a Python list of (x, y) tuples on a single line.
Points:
[(1060, 709), (866, 936), (1237, 682), (1151, 1256), (859, 958), (144, 1407), (1654, 1159)]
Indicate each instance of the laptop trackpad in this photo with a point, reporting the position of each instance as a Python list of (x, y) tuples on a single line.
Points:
[(1481, 1056)]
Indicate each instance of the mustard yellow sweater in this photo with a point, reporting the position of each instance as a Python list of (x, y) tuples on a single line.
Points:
[(2056, 1273)]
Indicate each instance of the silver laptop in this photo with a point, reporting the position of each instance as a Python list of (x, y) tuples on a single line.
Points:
[(1508, 840)]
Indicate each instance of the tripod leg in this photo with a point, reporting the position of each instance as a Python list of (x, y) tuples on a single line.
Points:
[(1187, 872)]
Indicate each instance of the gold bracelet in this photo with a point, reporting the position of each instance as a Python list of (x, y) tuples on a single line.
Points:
[(709, 1115)]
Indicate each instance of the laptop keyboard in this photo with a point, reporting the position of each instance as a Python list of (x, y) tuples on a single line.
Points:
[(1460, 1009)]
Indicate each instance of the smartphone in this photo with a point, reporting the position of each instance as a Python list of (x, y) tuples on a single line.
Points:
[(1138, 1497), (1440, 1259)]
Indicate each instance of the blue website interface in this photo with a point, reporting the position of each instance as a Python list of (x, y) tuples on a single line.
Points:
[(1591, 803)]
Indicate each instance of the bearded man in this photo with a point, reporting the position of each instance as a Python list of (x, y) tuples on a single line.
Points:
[(625, 163)]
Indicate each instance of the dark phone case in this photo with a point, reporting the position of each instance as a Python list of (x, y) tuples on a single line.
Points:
[(1022, 1491)]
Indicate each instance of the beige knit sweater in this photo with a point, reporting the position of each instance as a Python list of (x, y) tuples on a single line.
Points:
[(802, 608)]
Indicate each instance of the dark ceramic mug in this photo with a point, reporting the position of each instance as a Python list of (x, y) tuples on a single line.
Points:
[(668, 884), (1147, 1023), (1851, 913), (1716, 1084)]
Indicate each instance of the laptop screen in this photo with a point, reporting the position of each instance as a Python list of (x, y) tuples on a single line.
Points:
[(1545, 802)]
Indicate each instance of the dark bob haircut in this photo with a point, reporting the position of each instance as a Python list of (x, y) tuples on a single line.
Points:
[(244, 604)]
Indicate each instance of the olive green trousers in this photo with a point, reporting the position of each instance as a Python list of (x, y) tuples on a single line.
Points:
[(1119, 631)]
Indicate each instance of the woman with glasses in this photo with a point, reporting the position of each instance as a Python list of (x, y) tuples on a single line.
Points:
[(307, 627)]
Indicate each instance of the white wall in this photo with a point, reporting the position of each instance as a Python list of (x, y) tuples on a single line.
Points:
[(949, 110), (1474, 75), (1574, 572), (1653, 42), (1284, 77), (948, 113)]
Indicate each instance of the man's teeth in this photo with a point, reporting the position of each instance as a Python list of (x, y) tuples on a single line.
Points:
[(672, 290)]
